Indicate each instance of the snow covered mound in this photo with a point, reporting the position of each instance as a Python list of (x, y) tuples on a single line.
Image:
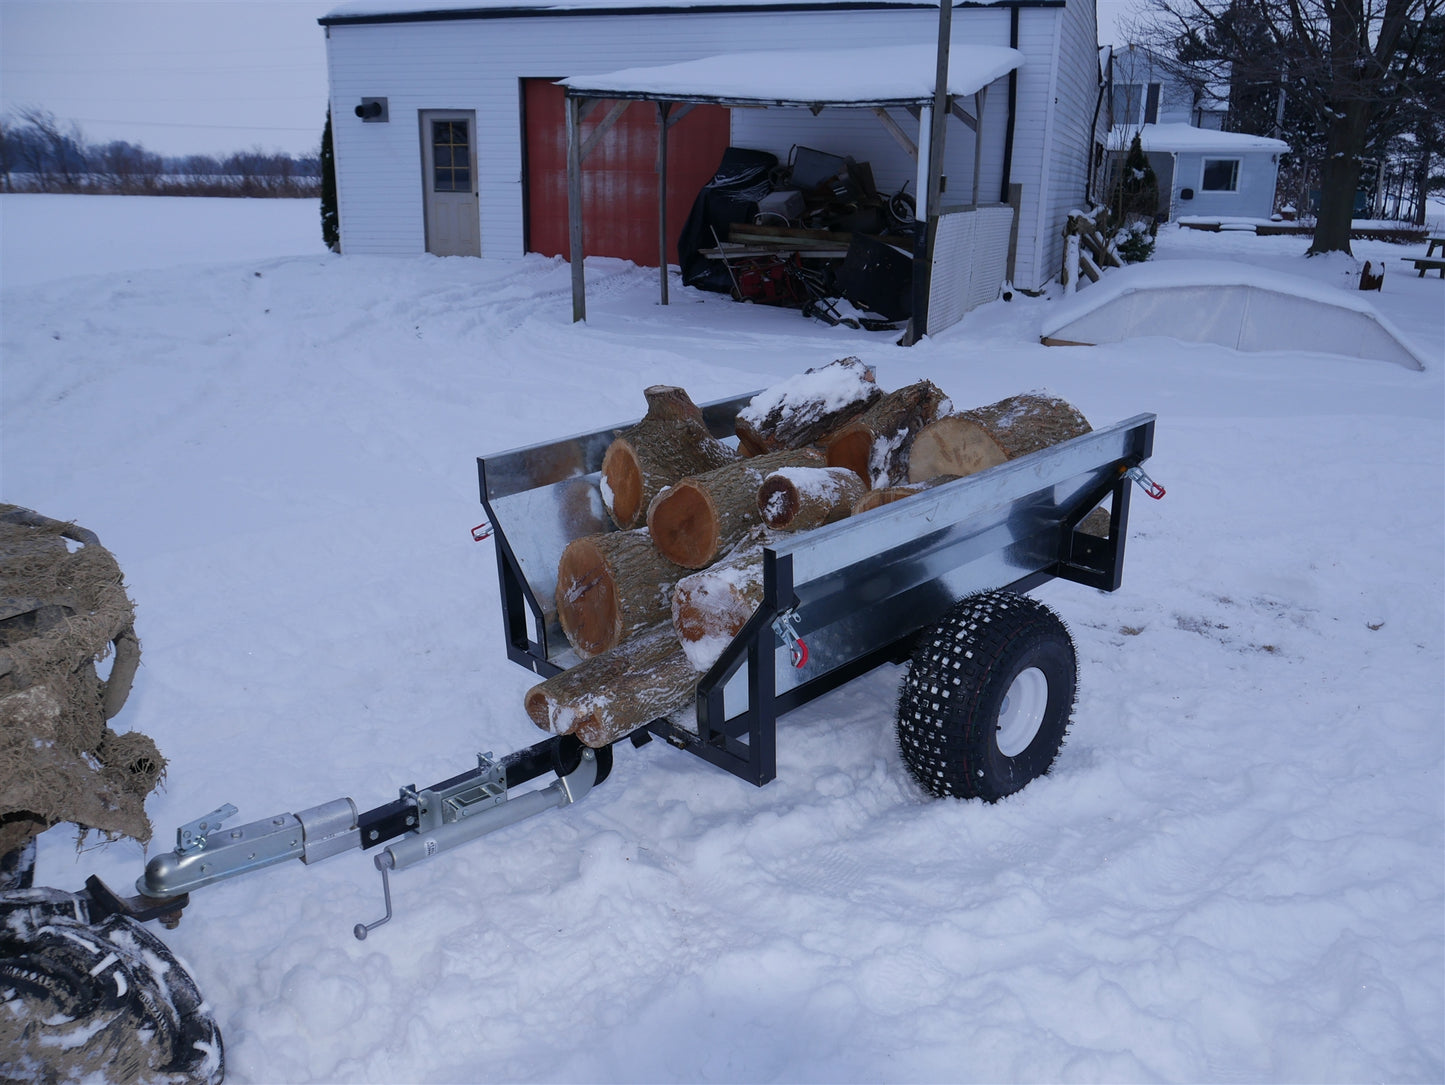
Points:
[(1234, 305)]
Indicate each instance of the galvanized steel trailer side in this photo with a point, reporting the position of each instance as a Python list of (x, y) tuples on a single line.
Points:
[(858, 591)]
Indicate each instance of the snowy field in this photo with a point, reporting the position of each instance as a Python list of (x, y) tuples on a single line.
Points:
[(1236, 871)]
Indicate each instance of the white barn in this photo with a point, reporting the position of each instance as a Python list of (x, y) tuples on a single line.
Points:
[(449, 122)]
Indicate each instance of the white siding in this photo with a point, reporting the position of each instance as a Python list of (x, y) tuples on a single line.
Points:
[(1067, 110), (478, 65), (1254, 198)]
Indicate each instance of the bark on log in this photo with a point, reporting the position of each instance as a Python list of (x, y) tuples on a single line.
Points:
[(710, 608), (806, 409), (695, 520), (798, 498), (888, 494), (876, 446), (670, 443), (610, 586), (611, 695), (669, 403), (965, 443)]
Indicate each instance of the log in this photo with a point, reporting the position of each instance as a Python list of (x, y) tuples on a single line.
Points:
[(806, 409), (669, 403), (876, 446), (608, 696), (968, 442), (610, 586), (669, 443), (696, 519), (710, 607), (886, 495), (798, 498)]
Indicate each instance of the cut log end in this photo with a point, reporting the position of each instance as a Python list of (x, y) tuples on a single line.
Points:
[(778, 501), (799, 498), (587, 602), (623, 481), (955, 445), (853, 449), (684, 525)]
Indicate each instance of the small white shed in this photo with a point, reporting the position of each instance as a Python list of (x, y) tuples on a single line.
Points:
[(449, 117), (1208, 173)]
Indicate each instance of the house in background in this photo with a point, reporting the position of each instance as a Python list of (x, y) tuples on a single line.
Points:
[(1203, 171), (449, 120)]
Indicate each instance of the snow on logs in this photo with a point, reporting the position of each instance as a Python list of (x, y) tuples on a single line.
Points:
[(648, 609), (806, 409)]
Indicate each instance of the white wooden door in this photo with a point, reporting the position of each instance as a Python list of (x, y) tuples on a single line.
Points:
[(449, 182)]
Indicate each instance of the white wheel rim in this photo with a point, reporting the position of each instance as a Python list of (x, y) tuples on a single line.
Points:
[(1022, 712)]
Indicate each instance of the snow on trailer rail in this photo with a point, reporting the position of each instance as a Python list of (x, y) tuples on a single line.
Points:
[(855, 593)]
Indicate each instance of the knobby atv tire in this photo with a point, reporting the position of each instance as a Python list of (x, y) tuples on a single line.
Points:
[(105, 1001), (988, 697)]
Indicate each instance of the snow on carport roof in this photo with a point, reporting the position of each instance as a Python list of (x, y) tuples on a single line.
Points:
[(888, 75)]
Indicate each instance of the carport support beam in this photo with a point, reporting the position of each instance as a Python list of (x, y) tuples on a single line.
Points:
[(923, 261), (663, 109), (574, 208)]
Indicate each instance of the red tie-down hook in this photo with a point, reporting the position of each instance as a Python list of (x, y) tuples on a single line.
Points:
[(482, 532), (797, 647), (1147, 484)]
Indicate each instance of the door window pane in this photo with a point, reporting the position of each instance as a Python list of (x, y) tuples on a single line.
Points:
[(451, 157)]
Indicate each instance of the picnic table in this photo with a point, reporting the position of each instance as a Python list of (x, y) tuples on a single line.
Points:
[(1430, 262)]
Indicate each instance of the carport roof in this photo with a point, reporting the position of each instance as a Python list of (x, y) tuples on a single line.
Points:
[(888, 75)]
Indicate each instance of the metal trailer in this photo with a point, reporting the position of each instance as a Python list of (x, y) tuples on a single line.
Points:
[(837, 602)]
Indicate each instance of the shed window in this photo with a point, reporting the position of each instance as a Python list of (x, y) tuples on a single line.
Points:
[(1220, 175), (451, 157)]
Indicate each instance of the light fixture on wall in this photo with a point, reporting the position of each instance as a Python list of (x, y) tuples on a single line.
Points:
[(372, 110)]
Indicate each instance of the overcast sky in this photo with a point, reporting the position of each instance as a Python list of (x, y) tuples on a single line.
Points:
[(188, 76), (179, 76)]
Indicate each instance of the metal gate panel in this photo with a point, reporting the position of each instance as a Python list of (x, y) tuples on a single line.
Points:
[(970, 262)]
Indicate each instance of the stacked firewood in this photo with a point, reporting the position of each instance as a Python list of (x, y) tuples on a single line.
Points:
[(650, 606)]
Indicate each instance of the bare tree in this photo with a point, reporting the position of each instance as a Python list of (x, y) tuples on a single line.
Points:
[(1347, 61)]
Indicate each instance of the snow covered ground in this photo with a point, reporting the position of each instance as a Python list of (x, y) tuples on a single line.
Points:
[(1236, 871)]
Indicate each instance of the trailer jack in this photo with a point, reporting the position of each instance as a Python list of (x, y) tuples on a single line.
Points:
[(458, 815)]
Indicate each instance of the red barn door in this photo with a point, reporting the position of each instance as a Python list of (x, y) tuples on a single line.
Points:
[(619, 178)]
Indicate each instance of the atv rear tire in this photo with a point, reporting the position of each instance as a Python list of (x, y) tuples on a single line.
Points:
[(988, 697), (103, 1002)]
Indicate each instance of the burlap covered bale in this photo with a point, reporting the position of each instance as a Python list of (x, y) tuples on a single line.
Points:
[(60, 613)]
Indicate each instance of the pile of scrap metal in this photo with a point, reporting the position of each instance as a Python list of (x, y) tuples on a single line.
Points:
[(806, 234)]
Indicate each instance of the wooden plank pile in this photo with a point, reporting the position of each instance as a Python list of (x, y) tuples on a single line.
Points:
[(1087, 249), (650, 606)]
